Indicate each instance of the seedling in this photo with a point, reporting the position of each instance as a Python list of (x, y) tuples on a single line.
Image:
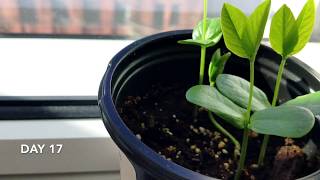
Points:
[(233, 94), (234, 99), (216, 68), (242, 36), (206, 34), (288, 36)]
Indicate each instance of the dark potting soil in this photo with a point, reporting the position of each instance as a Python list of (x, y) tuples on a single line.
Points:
[(164, 120)]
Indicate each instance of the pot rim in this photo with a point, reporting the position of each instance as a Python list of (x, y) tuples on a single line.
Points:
[(127, 141)]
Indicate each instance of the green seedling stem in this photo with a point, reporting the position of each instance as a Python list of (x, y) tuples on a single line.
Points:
[(203, 48), (236, 143), (215, 123), (245, 139), (274, 102)]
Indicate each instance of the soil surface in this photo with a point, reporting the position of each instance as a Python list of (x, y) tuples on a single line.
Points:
[(164, 120)]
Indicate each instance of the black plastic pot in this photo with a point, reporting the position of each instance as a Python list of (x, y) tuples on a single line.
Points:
[(159, 58)]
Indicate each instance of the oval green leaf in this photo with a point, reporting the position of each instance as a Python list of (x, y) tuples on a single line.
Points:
[(242, 34), (310, 101), (305, 23), (284, 121), (212, 34), (213, 31), (283, 32), (205, 43), (233, 25), (237, 89), (211, 99), (257, 22)]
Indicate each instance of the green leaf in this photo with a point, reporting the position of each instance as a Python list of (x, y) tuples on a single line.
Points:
[(237, 90), (212, 34), (257, 22), (233, 25), (205, 43), (242, 34), (211, 99), (310, 101), (217, 64), (312, 98), (284, 121), (305, 24), (287, 35), (283, 32)]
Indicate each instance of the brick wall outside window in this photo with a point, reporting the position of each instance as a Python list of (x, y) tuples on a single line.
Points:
[(127, 18)]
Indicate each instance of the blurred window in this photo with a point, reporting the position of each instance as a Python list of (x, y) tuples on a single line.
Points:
[(128, 19)]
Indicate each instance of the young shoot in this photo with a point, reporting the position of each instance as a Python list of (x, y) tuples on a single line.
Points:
[(288, 36), (216, 68), (242, 36), (206, 34)]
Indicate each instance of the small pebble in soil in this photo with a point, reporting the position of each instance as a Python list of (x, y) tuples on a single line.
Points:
[(217, 135), (171, 149), (216, 156), (143, 126), (196, 131), (167, 131), (254, 166), (188, 140), (174, 116), (193, 147), (226, 166), (211, 153), (138, 136), (221, 145), (224, 151), (195, 159), (202, 130), (225, 140), (197, 150), (177, 120)]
